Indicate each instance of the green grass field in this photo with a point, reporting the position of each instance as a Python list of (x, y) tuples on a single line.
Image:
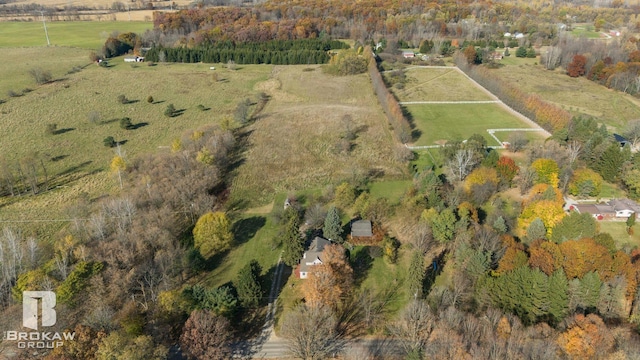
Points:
[(438, 85), (293, 144), (586, 31), (254, 235), (393, 190), (82, 34), (579, 96), (15, 64), (439, 123), (618, 230), (76, 157), (513, 60)]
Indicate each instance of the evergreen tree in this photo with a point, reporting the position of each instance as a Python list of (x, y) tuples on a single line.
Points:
[(443, 225), (573, 227), (332, 229), (536, 230), (416, 275), (558, 296), (292, 242), (500, 225), (589, 294), (248, 285), (521, 52), (610, 163), (506, 52)]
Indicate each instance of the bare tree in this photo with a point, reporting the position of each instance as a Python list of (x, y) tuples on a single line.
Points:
[(574, 148), (462, 163), (311, 332), (632, 133), (551, 59), (414, 326)]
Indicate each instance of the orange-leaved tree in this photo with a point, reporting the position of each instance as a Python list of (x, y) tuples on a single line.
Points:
[(330, 281)]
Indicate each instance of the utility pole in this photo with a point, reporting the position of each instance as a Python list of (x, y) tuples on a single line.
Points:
[(45, 28)]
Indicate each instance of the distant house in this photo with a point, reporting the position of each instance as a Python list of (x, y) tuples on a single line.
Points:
[(614, 33), (133, 59), (519, 35), (408, 54), (620, 140), (507, 34), (313, 256), (615, 208), (361, 228), (496, 55)]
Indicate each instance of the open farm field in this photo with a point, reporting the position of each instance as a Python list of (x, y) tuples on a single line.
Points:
[(576, 95), (15, 64), (82, 34), (297, 141), (438, 84), (86, 109), (442, 122)]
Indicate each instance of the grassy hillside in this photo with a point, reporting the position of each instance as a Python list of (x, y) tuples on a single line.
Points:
[(16, 62), (76, 156), (576, 95), (81, 34)]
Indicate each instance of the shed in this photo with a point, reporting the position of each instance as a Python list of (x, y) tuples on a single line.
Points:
[(408, 54), (361, 228)]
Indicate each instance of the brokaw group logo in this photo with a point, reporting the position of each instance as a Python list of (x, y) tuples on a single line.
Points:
[(38, 312)]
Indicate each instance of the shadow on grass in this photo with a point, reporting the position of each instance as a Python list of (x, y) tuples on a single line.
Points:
[(245, 229), (361, 263), (158, 102), (59, 157), (433, 270), (138, 125), (62, 131), (122, 142), (75, 168), (105, 122)]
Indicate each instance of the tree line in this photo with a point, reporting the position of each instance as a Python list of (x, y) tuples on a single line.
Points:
[(547, 115), (390, 105)]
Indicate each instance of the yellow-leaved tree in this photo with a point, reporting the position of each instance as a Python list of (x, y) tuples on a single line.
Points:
[(118, 165), (212, 233)]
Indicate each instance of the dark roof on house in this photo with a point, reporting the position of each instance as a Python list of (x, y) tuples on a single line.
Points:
[(361, 228), (621, 139), (624, 204), (313, 253)]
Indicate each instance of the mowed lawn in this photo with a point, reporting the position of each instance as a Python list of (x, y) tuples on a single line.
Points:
[(437, 84), (440, 123), (81, 34), (579, 96), (618, 230)]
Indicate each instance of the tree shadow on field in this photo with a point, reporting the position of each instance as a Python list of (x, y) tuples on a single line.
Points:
[(122, 142), (138, 125), (361, 263), (62, 131), (245, 229), (433, 270), (158, 102), (75, 168)]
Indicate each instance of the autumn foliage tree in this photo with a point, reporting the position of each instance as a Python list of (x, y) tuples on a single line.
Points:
[(585, 182), (586, 337), (330, 281), (507, 169), (577, 66), (206, 336), (212, 233), (547, 171)]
